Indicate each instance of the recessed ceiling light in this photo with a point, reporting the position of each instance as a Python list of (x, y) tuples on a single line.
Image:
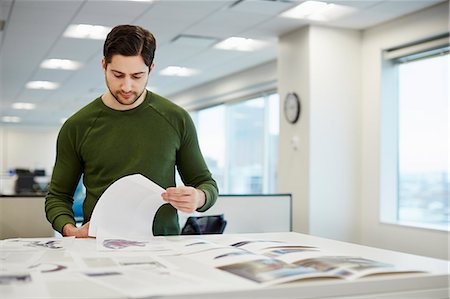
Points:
[(42, 85), (60, 64), (318, 11), (24, 106), (178, 71), (11, 119), (305, 9), (240, 44), (87, 31)]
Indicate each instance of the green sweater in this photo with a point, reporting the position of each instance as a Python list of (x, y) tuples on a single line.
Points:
[(104, 144)]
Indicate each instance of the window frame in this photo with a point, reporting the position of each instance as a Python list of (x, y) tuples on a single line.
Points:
[(266, 94), (389, 132)]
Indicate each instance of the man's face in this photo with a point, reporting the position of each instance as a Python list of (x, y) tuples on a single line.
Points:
[(126, 78)]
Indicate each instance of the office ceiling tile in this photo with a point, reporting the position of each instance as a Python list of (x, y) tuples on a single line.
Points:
[(264, 7), (33, 32)]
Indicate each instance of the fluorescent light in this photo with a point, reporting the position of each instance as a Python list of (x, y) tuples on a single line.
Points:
[(60, 64), (318, 11), (305, 9), (24, 106), (87, 31), (42, 85), (178, 71), (11, 119), (239, 44)]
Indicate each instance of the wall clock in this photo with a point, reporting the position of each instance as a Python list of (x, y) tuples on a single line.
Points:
[(292, 107)]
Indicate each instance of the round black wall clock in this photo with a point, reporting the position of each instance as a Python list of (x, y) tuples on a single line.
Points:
[(292, 107)]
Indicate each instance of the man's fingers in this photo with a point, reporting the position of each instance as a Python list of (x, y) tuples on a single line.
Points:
[(180, 190), (183, 198)]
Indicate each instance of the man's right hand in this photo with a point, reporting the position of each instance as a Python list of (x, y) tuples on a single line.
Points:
[(70, 230)]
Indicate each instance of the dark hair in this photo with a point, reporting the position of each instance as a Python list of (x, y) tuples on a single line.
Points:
[(130, 40)]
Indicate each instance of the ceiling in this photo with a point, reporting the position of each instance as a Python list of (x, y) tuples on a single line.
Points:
[(33, 31)]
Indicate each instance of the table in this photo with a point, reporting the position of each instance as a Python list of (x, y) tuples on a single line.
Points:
[(99, 278)]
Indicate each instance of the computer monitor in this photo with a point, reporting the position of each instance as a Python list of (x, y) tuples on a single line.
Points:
[(39, 172)]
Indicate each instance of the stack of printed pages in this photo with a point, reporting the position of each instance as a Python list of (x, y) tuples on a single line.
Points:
[(272, 262), (136, 268)]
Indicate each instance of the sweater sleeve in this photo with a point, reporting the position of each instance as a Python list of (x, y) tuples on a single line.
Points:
[(192, 167), (65, 177)]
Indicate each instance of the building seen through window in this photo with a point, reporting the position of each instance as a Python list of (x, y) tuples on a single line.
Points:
[(423, 141), (240, 144)]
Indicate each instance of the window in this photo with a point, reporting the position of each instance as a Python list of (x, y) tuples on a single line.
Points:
[(415, 135), (423, 143), (240, 144)]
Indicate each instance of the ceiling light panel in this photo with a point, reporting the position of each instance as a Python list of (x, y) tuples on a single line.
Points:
[(305, 9), (24, 106), (318, 11), (240, 44), (42, 85), (11, 119), (178, 71), (60, 64), (87, 31)]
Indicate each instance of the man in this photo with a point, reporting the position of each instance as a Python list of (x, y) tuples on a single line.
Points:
[(128, 130)]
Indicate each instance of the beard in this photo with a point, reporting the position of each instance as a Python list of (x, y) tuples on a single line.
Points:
[(134, 96)]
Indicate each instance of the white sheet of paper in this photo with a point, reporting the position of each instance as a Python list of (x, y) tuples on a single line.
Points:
[(22, 285), (110, 242), (127, 207)]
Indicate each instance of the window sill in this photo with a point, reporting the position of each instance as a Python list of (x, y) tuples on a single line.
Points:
[(425, 226)]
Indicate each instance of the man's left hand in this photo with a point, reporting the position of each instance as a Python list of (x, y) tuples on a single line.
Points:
[(185, 199)]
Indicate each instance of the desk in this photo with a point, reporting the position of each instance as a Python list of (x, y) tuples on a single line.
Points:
[(23, 216), (208, 282)]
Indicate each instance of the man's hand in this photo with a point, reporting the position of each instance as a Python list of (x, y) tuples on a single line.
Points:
[(70, 230), (185, 199)]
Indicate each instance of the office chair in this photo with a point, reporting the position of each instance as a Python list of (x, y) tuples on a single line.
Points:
[(25, 184), (203, 225)]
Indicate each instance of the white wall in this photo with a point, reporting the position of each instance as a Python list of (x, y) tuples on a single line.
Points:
[(335, 132), (27, 147), (322, 65), (410, 28), (294, 165)]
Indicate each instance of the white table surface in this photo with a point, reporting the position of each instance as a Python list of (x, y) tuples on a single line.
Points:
[(433, 283)]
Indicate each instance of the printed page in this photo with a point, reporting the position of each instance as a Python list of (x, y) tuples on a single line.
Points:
[(32, 254), (284, 251), (269, 271), (257, 260), (22, 285), (221, 256), (127, 207), (273, 262), (350, 267), (135, 282), (33, 244), (120, 261), (107, 241)]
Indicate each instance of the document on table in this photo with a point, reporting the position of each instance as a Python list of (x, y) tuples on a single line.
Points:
[(127, 207)]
